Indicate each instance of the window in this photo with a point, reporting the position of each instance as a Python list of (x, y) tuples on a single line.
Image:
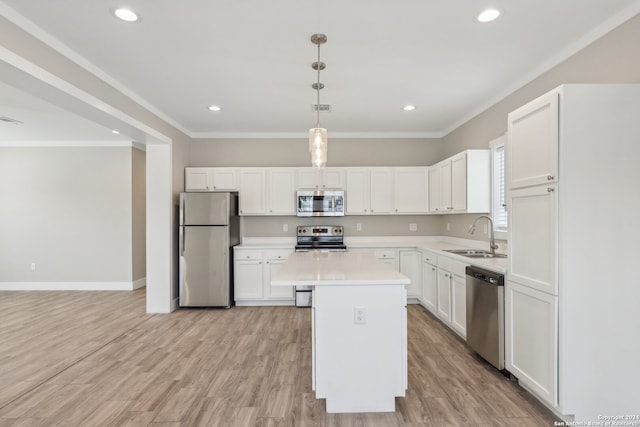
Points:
[(498, 200)]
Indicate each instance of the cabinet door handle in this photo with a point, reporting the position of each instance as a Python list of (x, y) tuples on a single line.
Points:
[(549, 177), (550, 189)]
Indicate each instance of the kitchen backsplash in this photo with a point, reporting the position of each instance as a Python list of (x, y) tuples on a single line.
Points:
[(383, 225)]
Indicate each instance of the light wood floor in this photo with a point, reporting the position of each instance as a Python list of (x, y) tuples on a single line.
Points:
[(96, 359)]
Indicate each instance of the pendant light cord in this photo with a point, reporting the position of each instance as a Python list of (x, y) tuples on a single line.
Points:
[(318, 90)]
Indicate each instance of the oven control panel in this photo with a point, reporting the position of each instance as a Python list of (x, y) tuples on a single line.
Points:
[(320, 230)]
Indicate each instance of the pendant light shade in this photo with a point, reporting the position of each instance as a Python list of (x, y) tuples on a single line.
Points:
[(318, 144), (318, 147)]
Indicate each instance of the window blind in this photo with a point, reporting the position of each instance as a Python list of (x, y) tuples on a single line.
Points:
[(499, 212)]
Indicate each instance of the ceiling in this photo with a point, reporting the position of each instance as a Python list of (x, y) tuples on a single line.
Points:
[(253, 58)]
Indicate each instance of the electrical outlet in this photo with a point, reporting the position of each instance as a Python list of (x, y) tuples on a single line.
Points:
[(360, 315), (358, 227), (285, 228), (33, 266), (486, 228), (413, 227), (448, 226)]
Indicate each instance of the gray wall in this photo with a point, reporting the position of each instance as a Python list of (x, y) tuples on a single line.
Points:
[(69, 210), (294, 152), (271, 226)]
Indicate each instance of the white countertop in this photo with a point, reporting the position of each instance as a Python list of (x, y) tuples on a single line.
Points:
[(336, 268), (435, 244)]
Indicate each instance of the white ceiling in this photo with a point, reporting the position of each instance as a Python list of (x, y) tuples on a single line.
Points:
[(41, 121), (253, 58)]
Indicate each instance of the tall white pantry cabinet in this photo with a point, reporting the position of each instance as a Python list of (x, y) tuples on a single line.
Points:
[(573, 286)]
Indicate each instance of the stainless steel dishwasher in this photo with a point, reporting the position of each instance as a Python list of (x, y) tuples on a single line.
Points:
[(485, 314)]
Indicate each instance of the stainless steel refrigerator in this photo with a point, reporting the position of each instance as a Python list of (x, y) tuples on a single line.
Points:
[(209, 228)]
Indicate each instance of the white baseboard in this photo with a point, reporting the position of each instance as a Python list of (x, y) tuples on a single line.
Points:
[(140, 283), (72, 286)]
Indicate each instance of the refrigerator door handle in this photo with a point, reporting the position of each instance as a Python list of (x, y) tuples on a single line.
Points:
[(182, 235), (183, 211)]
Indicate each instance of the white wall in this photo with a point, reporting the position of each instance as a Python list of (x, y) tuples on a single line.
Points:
[(68, 210), (139, 218)]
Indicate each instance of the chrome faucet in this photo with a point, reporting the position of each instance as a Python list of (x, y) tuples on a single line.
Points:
[(492, 241)]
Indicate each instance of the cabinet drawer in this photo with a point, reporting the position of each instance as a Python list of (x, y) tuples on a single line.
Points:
[(458, 268), (429, 257), (444, 262), (277, 253), (245, 254), (451, 265), (384, 253)]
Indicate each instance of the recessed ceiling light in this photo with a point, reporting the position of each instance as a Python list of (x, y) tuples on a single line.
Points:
[(214, 108), (409, 107), (488, 15), (115, 132), (126, 15)]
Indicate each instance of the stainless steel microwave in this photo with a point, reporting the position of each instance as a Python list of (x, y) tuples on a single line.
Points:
[(320, 203)]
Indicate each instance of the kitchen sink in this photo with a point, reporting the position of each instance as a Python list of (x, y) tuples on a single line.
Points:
[(475, 253), (466, 252), (486, 255)]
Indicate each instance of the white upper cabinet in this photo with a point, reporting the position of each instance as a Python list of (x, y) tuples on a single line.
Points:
[(464, 183), (445, 186), (210, 179), (411, 190), (532, 143), (225, 179), (321, 179), (198, 179), (253, 190), (459, 182), (381, 194), (357, 191), (281, 191), (434, 189)]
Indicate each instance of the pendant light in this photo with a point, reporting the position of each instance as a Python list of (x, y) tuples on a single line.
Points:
[(318, 135)]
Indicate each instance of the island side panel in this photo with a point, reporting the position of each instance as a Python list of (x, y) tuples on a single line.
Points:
[(360, 367)]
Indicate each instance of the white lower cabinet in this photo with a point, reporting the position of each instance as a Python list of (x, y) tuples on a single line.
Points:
[(273, 260), (444, 295), (410, 263), (531, 347), (247, 275), (459, 304), (429, 282), (253, 269), (451, 298)]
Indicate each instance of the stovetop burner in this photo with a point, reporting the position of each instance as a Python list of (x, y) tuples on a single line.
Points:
[(320, 237)]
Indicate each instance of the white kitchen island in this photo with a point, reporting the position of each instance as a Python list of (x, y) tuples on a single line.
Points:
[(359, 328)]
